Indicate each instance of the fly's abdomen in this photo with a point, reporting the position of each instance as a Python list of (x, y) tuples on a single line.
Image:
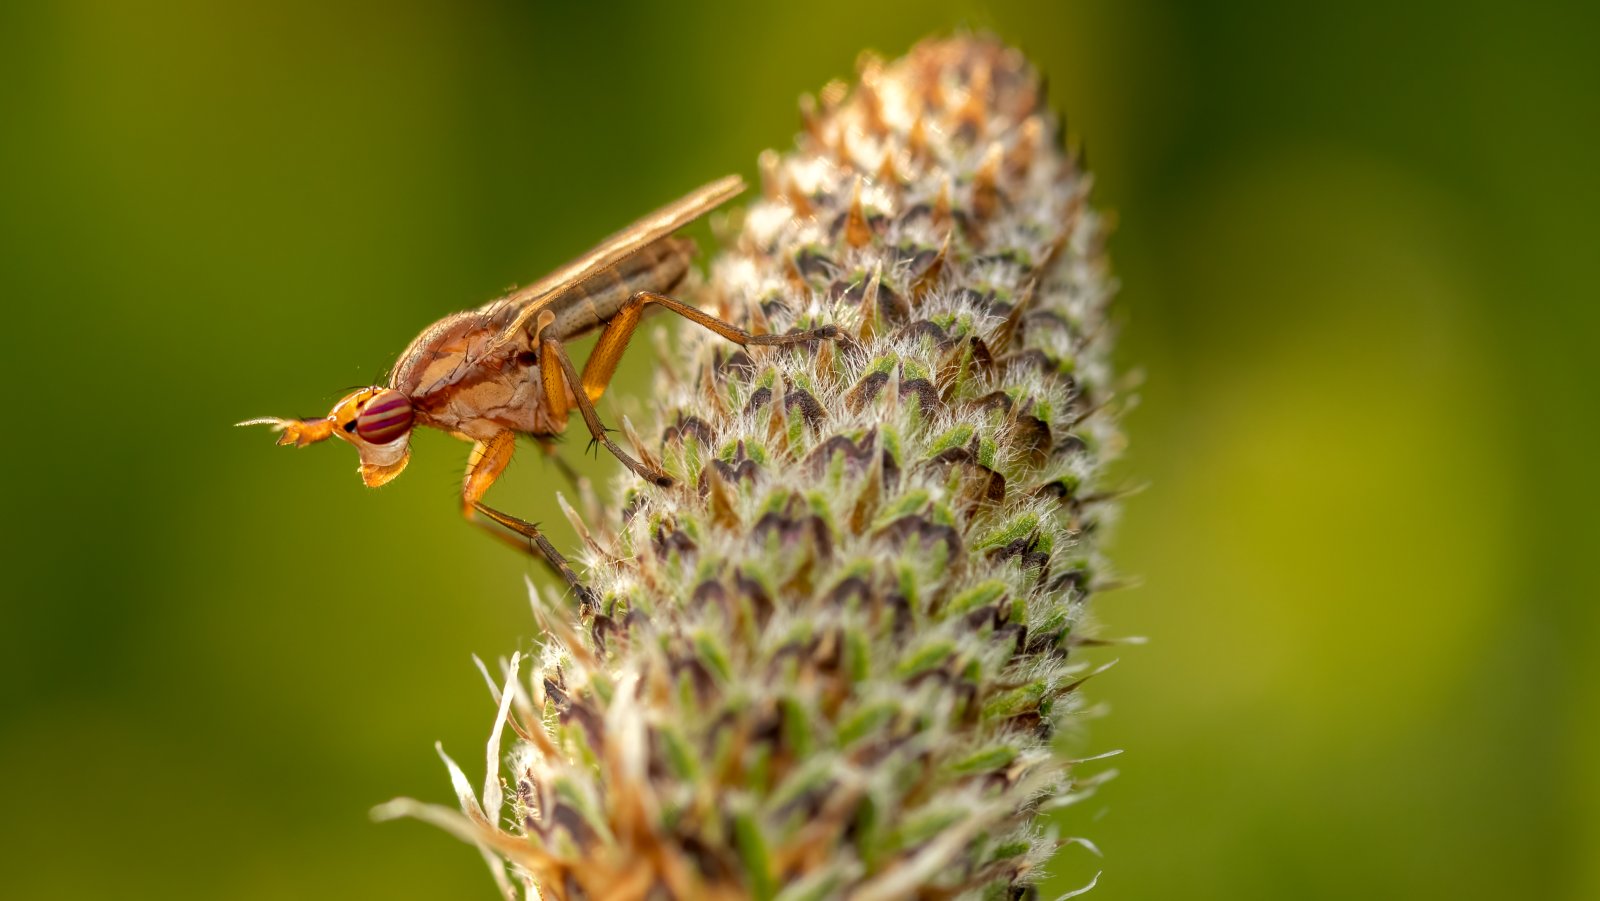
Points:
[(658, 267)]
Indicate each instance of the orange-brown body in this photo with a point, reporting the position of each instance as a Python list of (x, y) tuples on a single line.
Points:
[(460, 381), (502, 370)]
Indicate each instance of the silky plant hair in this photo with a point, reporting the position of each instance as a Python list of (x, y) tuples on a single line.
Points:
[(839, 658)]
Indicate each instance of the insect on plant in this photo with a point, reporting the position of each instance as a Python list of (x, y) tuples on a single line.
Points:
[(502, 370)]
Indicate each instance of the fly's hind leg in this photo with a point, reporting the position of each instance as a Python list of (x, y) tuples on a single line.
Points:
[(488, 460), (602, 364)]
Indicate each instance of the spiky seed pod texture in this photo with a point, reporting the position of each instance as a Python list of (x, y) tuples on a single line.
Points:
[(831, 661)]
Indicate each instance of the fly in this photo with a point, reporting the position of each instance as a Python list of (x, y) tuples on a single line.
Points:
[(502, 370)]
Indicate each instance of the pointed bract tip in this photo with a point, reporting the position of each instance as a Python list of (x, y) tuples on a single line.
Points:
[(986, 185), (856, 229)]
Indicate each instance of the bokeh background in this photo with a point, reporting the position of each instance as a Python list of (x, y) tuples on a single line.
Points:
[(1358, 252)]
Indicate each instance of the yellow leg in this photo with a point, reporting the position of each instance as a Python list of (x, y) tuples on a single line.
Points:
[(484, 465), (555, 387)]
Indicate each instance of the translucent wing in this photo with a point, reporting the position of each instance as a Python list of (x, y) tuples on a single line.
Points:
[(522, 305)]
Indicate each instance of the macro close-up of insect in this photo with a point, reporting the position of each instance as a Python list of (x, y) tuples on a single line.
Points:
[(490, 374), (996, 518)]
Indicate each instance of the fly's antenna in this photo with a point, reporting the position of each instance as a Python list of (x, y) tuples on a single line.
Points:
[(298, 432)]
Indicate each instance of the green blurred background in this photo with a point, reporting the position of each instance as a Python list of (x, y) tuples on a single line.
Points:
[(1357, 249)]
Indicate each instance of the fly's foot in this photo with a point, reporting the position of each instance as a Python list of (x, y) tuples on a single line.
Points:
[(829, 332), (536, 544)]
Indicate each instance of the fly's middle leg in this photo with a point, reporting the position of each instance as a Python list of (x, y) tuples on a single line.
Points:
[(552, 351)]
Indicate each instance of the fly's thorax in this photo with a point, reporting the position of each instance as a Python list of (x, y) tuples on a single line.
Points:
[(445, 353), (463, 376), (492, 401)]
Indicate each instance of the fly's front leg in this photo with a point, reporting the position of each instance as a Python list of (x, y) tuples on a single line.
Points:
[(553, 356), (602, 364), (487, 461)]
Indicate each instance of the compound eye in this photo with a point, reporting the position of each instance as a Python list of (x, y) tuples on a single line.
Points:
[(385, 418)]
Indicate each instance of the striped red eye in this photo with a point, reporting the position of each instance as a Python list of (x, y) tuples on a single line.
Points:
[(384, 418)]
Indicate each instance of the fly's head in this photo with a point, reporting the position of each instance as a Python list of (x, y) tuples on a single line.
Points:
[(377, 421)]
